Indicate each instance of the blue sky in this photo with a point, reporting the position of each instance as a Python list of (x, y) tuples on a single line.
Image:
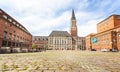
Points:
[(40, 17)]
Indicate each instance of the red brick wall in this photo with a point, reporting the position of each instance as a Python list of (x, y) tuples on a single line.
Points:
[(117, 21), (88, 42), (73, 31), (41, 43), (17, 33), (109, 23), (1, 27), (104, 41), (1, 31), (118, 40), (105, 24), (0, 42), (105, 34)]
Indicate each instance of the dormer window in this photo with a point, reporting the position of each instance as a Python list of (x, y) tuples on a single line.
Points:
[(17, 25), (5, 16), (14, 23), (23, 28), (10, 20), (20, 27)]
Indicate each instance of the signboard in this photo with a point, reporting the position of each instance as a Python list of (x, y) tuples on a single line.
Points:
[(94, 40)]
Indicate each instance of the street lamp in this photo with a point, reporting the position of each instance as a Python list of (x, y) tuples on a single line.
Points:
[(21, 44)]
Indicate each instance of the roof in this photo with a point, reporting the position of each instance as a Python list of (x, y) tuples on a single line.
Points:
[(59, 34), (13, 21), (73, 14), (40, 37), (108, 30), (107, 18)]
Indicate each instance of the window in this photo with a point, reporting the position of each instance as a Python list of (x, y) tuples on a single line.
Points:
[(10, 25), (17, 25), (10, 20), (4, 43), (5, 35), (14, 37), (9, 43), (20, 26), (14, 31), (10, 36), (14, 22), (118, 17), (5, 16)]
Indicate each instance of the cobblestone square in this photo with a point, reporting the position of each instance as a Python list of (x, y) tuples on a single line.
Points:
[(61, 61)]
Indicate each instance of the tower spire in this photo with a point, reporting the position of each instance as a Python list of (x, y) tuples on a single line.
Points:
[(73, 14), (73, 26)]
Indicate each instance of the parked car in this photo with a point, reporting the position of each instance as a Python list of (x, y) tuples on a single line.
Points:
[(104, 50), (93, 49), (115, 50)]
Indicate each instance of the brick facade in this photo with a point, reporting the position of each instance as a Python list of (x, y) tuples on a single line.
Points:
[(73, 26), (108, 35), (118, 39), (13, 34), (88, 41), (81, 45), (108, 40), (41, 42), (62, 40), (109, 23)]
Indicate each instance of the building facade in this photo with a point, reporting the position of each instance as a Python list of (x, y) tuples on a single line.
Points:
[(109, 40), (107, 36), (81, 45), (78, 43), (60, 40), (41, 42), (88, 39), (13, 36), (111, 22)]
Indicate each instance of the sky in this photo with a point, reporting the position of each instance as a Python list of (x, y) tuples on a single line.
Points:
[(41, 17)]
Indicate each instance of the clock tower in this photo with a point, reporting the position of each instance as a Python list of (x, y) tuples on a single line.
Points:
[(73, 26)]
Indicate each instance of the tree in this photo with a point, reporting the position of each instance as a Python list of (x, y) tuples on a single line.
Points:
[(34, 46)]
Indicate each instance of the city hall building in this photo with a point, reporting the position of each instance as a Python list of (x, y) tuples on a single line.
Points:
[(14, 37), (62, 40), (107, 36)]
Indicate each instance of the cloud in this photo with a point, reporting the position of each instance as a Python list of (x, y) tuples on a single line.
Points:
[(40, 17), (89, 27)]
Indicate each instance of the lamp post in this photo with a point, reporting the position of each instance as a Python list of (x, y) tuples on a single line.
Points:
[(44, 44), (21, 44)]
